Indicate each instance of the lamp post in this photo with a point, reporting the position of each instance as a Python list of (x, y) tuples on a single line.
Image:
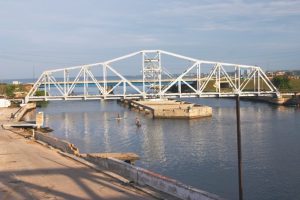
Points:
[(239, 146)]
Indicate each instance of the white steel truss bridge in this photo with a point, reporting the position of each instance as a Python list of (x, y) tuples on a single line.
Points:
[(151, 74)]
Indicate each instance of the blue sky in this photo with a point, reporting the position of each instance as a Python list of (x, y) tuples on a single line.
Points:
[(38, 35)]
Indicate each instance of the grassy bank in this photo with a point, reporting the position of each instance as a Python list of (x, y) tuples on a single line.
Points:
[(13, 90), (295, 84)]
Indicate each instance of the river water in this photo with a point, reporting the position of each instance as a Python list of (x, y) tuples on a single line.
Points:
[(198, 152)]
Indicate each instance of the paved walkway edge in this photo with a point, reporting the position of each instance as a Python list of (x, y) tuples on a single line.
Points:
[(128, 173)]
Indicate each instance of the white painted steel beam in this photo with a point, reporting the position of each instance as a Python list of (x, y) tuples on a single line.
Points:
[(152, 85)]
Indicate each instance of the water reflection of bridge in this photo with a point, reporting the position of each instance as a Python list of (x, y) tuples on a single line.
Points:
[(195, 78)]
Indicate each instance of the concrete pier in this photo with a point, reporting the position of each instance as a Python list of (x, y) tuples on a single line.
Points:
[(170, 108)]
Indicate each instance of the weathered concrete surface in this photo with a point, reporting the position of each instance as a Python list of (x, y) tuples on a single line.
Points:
[(127, 157), (62, 145), (144, 177), (184, 113), (22, 111), (5, 114), (173, 109), (131, 173), (284, 100), (31, 171)]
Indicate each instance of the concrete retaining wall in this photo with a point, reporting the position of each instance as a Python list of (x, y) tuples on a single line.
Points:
[(23, 110), (56, 143), (292, 100), (114, 165), (144, 177), (172, 187), (134, 174)]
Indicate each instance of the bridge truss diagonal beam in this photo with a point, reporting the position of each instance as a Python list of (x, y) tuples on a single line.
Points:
[(156, 77)]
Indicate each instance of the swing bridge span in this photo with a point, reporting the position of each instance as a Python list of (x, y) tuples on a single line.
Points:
[(156, 79)]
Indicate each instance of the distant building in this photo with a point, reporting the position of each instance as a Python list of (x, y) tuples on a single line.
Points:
[(291, 74), (16, 82), (269, 74), (279, 73), (4, 103), (245, 74)]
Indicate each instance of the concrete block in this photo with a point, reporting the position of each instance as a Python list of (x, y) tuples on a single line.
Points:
[(23, 110), (39, 119), (173, 109), (124, 169), (172, 187), (56, 143), (145, 177), (114, 165)]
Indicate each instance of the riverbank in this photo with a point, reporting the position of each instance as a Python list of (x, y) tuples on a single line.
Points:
[(287, 100), (31, 171), (33, 160)]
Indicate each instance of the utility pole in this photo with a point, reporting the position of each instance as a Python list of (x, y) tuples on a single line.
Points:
[(239, 146)]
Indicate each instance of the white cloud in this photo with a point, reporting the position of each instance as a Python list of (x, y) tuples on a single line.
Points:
[(233, 8), (234, 15)]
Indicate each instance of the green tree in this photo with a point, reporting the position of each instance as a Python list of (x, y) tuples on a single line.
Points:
[(40, 93), (41, 104), (281, 82), (2, 88), (9, 90)]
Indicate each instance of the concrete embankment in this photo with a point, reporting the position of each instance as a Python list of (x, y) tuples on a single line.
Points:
[(31, 171), (23, 110), (62, 145), (28, 170), (145, 177), (283, 100), (64, 177), (136, 175), (170, 108)]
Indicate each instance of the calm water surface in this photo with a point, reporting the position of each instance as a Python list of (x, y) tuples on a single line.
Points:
[(200, 152)]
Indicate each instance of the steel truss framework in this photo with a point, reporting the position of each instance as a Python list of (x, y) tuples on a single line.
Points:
[(243, 80)]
